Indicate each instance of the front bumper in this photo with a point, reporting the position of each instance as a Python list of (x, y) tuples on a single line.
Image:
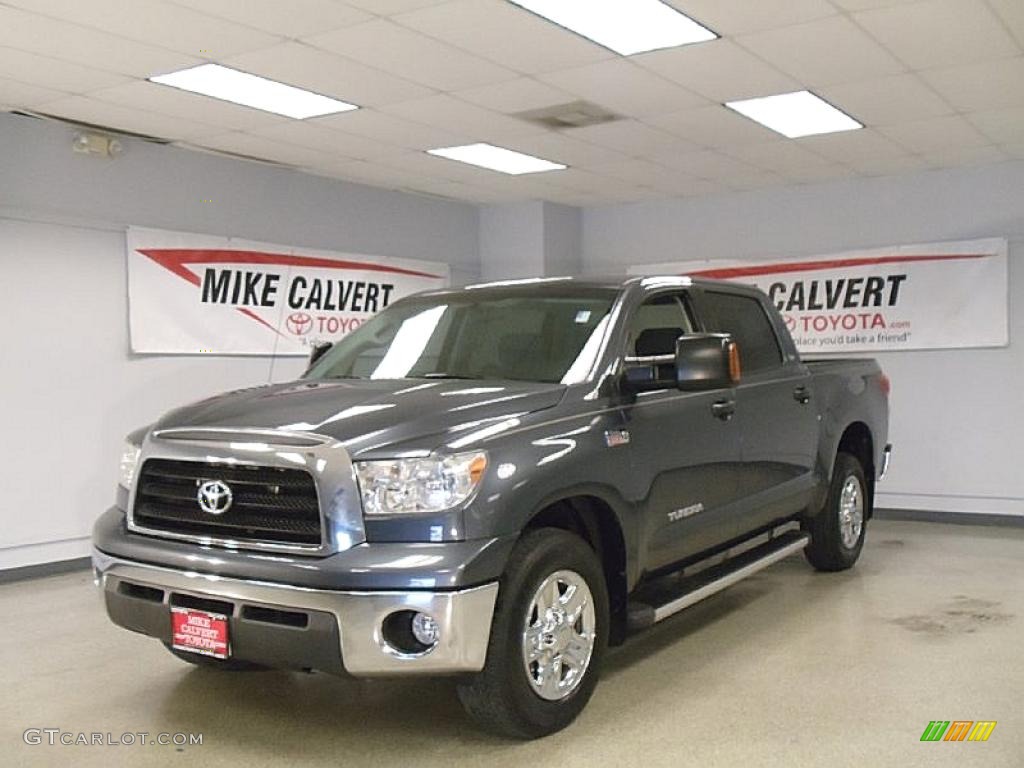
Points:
[(301, 627)]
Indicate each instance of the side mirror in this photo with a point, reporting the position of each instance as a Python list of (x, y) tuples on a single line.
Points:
[(706, 361), (701, 361), (316, 351)]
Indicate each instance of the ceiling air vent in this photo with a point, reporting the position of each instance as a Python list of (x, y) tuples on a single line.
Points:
[(575, 114)]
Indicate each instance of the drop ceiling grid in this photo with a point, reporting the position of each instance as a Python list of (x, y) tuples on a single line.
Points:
[(463, 65)]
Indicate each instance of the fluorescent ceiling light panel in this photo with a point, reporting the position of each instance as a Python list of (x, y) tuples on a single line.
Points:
[(496, 159), (252, 91), (796, 114), (625, 26)]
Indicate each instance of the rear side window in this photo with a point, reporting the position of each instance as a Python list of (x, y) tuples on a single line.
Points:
[(745, 319)]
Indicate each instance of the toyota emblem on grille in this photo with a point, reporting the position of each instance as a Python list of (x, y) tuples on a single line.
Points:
[(214, 497)]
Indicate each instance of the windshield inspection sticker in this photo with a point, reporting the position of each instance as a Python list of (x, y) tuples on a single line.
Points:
[(583, 316)]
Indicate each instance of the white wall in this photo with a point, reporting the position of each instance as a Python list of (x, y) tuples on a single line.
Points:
[(69, 387), (957, 415)]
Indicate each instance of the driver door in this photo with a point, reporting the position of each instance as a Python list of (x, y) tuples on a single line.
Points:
[(686, 458)]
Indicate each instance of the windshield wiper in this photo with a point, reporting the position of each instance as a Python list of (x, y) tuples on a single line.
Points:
[(444, 375)]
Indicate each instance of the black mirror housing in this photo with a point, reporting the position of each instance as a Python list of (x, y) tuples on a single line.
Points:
[(706, 361)]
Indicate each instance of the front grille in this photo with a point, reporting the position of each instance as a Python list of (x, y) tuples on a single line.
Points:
[(269, 504)]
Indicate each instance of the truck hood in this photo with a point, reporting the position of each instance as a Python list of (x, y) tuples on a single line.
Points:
[(366, 415)]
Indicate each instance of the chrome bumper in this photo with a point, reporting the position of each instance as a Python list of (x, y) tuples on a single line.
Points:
[(464, 617)]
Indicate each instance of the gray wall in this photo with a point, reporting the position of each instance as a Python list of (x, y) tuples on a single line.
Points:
[(957, 415), (70, 387)]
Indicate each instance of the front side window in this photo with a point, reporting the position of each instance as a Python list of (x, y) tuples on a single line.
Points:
[(476, 336), (657, 324)]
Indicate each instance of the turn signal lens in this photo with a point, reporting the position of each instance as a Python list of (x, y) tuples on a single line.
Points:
[(734, 362)]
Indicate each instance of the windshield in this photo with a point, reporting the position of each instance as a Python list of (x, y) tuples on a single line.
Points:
[(475, 336)]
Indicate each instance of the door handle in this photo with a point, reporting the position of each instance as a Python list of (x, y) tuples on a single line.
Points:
[(802, 395), (723, 409)]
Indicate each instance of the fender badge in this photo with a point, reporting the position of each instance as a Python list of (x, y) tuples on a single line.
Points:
[(616, 437)]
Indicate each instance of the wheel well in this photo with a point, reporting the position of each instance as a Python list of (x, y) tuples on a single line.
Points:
[(857, 442), (593, 520)]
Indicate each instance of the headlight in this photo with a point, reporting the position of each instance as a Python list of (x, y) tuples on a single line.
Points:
[(129, 462), (409, 486)]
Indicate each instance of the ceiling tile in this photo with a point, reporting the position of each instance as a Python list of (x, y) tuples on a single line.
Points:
[(937, 134), (303, 65), (782, 156), (46, 72), (706, 164), (393, 130), (506, 34), (560, 147), (72, 42), (643, 172), (861, 5), (719, 70), (391, 7), (887, 100), (290, 19), (982, 86), (15, 95), (628, 136), (363, 172), (735, 17), (165, 100), (446, 112), (952, 157), (403, 52), (624, 88), (158, 23), (311, 135), (1015, 150), (1012, 14), (85, 110), (753, 180), (939, 33), (887, 166), (519, 95), (435, 167), (1003, 126), (713, 126), (580, 180), (824, 52), (854, 146), (261, 147)]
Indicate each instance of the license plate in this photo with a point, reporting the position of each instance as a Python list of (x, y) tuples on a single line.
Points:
[(199, 632)]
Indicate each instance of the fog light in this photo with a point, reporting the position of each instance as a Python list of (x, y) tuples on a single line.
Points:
[(425, 629)]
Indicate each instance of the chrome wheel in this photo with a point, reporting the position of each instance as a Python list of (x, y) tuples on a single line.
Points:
[(851, 512), (559, 635)]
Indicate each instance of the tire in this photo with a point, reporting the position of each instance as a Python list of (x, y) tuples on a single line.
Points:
[(224, 665), (835, 546), (505, 697)]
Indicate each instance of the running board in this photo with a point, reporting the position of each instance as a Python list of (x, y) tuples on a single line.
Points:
[(712, 580)]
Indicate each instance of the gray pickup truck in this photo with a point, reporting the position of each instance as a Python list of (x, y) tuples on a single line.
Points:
[(496, 483)]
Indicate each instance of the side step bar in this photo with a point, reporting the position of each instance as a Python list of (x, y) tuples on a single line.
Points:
[(691, 590)]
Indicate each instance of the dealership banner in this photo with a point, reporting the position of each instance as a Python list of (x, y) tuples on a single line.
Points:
[(938, 296), (196, 294)]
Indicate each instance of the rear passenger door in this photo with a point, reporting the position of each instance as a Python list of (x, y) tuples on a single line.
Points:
[(779, 423)]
